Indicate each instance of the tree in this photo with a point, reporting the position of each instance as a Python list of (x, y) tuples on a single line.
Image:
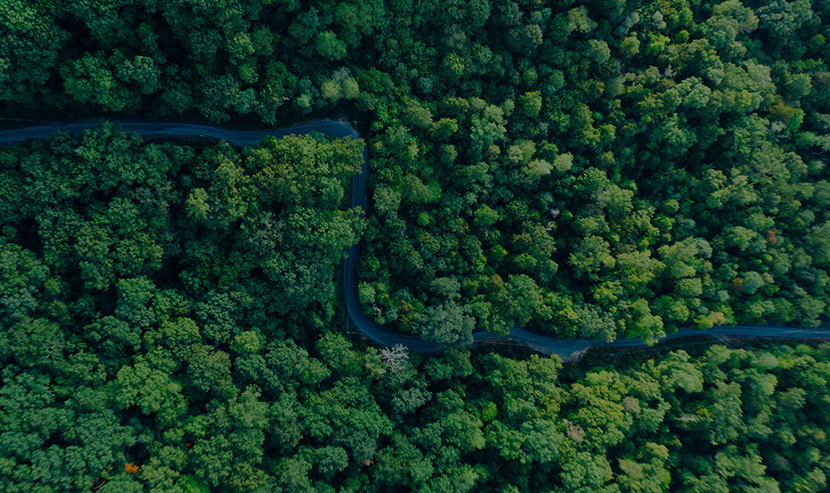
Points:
[(218, 95), (586, 472), (395, 356), (819, 240), (592, 254), (142, 71), (29, 50), (90, 80), (646, 476), (593, 323), (630, 47), (329, 47), (149, 386), (208, 369), (447, 323), (531, 104), (215, 456), (347, 416)]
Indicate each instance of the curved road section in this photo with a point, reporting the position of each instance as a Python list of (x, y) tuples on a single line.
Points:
[(568, 350)]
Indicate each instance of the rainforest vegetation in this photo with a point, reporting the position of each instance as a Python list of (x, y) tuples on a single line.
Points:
[(171, 314)]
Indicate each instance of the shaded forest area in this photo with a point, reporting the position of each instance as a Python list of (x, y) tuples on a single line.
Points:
[(597, 170), (169, 312), (168, 327), (143, 284)]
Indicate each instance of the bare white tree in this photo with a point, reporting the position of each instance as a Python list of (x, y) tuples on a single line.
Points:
[(395, 356)]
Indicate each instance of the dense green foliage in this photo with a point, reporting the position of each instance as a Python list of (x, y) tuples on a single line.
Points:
[(572, 181), (144, 285), (600, 169), (169, 313), (163, 333)]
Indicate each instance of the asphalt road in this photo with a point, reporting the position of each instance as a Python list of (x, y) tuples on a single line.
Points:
[(566, 349)]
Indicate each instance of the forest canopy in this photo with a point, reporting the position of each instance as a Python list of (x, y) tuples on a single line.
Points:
[(597, 170), (141, 282), (170, 312)]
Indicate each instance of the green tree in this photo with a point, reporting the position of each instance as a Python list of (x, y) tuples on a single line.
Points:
[(329, 47)]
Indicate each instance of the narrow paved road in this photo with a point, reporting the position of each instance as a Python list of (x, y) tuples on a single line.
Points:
[(566, 349)]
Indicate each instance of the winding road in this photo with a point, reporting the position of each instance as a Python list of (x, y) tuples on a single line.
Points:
[(568, 350)]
